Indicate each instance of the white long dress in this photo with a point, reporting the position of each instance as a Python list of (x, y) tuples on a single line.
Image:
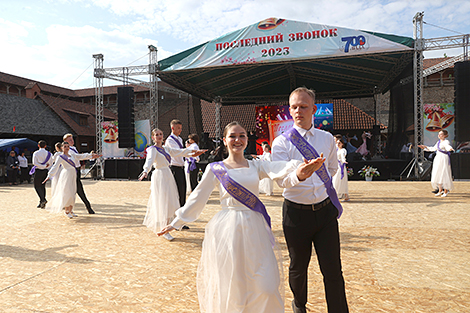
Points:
[(65, 188), (266, 184), (164, 198), (441, 170), (341, 185), (55, 179), (238, 270)]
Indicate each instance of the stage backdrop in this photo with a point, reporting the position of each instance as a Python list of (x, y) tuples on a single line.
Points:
[(110, 135), (436, 117), (271, 121)]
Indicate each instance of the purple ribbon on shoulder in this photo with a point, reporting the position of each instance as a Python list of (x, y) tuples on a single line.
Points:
[(33, 169), (70, 162), (442, 151), (240, 193), (162, 151), (74, 149), (177, 141), (192, 164), (309, 153)]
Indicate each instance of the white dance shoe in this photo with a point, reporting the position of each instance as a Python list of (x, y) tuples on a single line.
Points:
[(168, 237), (73, 214), (438, 193), (69, 215), (444, 195)]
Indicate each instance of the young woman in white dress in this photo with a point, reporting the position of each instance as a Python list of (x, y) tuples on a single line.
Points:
[(164, 200), (340, 179), (266, 184), (55, 179), (238, 270), (441, 175), (65, 187)]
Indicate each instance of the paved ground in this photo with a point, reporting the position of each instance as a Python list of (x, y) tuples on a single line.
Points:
[(403, 250)]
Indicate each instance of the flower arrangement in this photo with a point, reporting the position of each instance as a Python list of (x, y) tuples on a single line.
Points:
[(350, 172), (368, 171)]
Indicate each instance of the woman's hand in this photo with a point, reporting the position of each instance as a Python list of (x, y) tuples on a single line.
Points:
[(165, 230), (306, 169), (142, 175), (45, 180)]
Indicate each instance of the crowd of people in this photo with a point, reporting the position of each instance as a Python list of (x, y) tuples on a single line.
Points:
[(239, 269)]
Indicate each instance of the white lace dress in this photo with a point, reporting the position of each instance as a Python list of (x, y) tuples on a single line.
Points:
[(238, 270), (65, 187), (266, 184), (441, 170), (341, 184), (164, 198)]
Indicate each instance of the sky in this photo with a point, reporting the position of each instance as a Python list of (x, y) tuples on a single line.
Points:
[(52, 41)]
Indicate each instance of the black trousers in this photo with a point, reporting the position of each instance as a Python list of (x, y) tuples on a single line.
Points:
[(178, 174), (25, 174), (39, 176), (302, 228), (193, 177), (81, 191)]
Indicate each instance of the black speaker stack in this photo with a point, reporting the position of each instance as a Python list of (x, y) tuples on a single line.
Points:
[(126, 117), (462, 100)]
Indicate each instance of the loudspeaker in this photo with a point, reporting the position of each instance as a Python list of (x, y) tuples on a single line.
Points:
[(462, 100), (126, 117)]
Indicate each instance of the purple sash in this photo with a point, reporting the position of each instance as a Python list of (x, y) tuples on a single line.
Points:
[(341, 166), (240, 193), (177, 141), (162, 151), (70, 162), (33, 169), (74, 149), (443, 151), (309, 153), (192, 164)]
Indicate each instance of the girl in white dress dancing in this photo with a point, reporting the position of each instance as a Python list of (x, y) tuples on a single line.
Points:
[(164, 200), (238, 270), (441, 175), (340, 179), (65, 185), (266, 184)]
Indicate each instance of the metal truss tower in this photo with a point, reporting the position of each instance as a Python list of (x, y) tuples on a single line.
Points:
[(153, 86), (98, 83)]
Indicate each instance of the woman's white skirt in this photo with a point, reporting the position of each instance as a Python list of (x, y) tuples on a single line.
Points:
[(441, 172), (65, 190), (238, 270), (163, 201)]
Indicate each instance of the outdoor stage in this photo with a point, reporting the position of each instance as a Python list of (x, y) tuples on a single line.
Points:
[(403, 250)]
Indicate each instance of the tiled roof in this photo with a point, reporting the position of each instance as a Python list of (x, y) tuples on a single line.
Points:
[(29, 117), (23, 82), (431, 62), (60, 106), (348, 117)]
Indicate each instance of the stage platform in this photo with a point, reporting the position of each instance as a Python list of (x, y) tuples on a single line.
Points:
[(388, 168)]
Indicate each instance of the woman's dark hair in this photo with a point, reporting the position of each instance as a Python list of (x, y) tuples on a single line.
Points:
[(194, 137)]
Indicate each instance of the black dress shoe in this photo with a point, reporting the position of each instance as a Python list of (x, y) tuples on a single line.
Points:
[(43, 205), (185, 227), (90, 211), (435, 191), (39, 205), (296, 309)]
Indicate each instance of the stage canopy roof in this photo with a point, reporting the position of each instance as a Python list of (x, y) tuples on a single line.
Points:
[(265, 61)]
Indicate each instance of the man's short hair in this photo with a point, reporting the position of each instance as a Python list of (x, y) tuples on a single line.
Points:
[(67, 136), (310, 92), (175, 122), (42, 143)]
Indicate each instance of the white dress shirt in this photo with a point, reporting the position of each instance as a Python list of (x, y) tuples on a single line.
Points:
[(40, 156), (312, 190), (77, 157), (170, 142), (23, 161)]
